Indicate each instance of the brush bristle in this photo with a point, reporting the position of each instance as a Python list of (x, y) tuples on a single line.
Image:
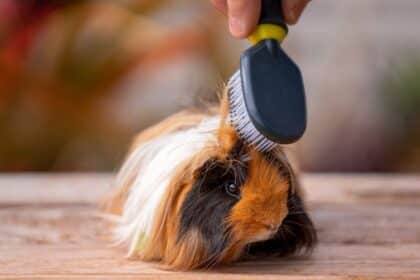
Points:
[(239, 118)]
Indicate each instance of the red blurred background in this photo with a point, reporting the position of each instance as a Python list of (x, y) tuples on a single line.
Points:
[(79, 78)]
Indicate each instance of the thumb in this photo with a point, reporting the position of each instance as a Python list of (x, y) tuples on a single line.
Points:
[(243, 16)]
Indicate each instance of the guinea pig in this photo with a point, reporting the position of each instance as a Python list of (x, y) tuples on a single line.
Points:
[(192, 194)]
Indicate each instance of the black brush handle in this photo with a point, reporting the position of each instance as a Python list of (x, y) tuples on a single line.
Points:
[(272, 13)]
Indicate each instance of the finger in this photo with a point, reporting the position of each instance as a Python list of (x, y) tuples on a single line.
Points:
[(243, 16), (220, 5), (292, 10)]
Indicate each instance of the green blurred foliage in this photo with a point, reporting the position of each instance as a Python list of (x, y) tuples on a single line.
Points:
[(401, 90)]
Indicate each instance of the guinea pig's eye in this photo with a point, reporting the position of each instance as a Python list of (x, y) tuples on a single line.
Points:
[(233, 190)]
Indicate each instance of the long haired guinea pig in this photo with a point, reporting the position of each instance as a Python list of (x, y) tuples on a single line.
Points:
[(191, 194)]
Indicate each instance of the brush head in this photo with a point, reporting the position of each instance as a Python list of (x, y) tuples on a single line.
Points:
[(239, 118), (267, 97)]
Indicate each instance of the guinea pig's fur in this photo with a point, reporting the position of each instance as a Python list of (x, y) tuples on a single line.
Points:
[(191, 194)]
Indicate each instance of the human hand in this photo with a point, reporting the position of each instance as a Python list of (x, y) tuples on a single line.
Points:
[(243, 15)]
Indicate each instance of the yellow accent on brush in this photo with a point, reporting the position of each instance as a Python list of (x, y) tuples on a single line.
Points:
[(268, 31)]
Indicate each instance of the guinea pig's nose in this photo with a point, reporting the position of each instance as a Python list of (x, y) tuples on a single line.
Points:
[(271, 226)]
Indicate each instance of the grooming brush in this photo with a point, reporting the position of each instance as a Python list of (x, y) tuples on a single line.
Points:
[(266, 95)]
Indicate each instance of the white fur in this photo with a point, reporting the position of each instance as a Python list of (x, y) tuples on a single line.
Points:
[(153, 164)]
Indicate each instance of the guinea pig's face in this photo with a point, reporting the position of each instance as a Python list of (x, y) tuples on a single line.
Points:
[(235, 201), (238, 199), (262, 206)]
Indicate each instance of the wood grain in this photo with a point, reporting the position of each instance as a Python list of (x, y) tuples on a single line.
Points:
[(369, 228)]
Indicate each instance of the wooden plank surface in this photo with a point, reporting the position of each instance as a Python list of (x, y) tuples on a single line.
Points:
[(369, 228)]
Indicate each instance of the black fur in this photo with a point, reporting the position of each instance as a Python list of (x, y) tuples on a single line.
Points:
[(207, 204)]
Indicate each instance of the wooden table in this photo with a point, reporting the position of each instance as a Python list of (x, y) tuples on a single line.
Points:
[(369, 228)]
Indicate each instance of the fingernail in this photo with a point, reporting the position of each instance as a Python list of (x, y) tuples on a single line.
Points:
[(236, 26)]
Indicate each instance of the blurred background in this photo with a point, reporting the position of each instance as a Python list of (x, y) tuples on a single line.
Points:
[(79, 78)]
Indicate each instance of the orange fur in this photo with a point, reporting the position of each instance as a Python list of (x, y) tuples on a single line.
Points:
[(113, 203), (227, 136), (178, 121)]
